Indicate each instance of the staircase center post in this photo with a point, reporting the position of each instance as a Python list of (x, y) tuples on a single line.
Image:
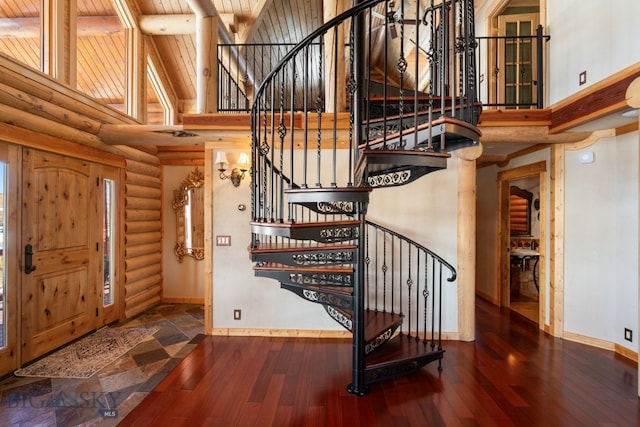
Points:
[(358, 386)]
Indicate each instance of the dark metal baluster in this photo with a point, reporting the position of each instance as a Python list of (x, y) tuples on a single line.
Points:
[(292, 95), (377, 254), (540, 69), (393, 273), (409, 286), (400, 283), (334, 152), (433, 302), (401, 66), (282, 133), (440, 309), (305, 123), (319, 108), (351, 87), (416, 71), (367, 263), (417, 309), (384, 272), (425, 298)]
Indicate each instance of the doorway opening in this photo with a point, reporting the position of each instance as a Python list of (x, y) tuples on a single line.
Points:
[(522, 241)]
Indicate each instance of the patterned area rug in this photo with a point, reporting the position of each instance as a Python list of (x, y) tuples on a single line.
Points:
[(89, 355)]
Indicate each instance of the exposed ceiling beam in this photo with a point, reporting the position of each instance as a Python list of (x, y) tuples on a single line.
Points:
[(87, 26), (167, 25)]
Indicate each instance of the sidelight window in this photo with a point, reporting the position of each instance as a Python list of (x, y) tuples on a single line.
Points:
[(108, 242)]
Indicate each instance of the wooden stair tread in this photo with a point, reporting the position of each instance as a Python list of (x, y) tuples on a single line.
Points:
[(424, 153), (436, 110), (328, 190), (319, 195), (299, 246), (322, 224), (447, 121), (400, 348), (323, 268), (341, 290), (376, 322), (374, 161)]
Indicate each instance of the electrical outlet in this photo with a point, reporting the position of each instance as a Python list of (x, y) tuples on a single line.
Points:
[(582, 78), (628, 334), (237, 314)]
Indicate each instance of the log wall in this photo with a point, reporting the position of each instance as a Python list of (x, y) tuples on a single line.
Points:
[(143, 235), (39, 112)]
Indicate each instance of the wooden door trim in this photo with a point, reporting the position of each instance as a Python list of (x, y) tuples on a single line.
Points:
[(538, 169), (11, 353)]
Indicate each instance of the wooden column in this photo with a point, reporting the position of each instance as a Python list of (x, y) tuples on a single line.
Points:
[(334, 62), (207, 64), (136, 89), (59, 19), (208, 239), (466, 241), (556, 252)]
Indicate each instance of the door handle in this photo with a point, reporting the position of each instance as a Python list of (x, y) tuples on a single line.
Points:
[(28, 260)]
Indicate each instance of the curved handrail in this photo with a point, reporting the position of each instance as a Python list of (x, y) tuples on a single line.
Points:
[(314, 35), (454, 274)]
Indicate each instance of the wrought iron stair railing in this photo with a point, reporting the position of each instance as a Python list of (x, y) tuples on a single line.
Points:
[(313, 168), (404, 277)]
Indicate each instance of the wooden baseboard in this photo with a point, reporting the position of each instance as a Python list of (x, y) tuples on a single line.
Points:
[(606, 345), (280, 333), (296, 333), (625, 352), (593, 342), (487, 297), (171, 300)]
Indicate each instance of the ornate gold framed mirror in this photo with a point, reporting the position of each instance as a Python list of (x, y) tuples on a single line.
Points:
[(188, 202)]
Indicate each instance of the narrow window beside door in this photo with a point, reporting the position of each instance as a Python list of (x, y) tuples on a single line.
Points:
[(107, 242)]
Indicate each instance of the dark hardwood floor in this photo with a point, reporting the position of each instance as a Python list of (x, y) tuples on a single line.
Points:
[(512, 375)]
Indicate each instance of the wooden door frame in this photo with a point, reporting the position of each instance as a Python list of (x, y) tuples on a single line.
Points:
[(536, 170), (10, 354)]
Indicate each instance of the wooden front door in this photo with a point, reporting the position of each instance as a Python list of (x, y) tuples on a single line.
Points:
[(61, 229)]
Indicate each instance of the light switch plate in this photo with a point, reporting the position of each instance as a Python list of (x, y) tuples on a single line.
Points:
[(223, 240)]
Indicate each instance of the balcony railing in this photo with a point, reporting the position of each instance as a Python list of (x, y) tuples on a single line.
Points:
[(243, 67), (511, 70)]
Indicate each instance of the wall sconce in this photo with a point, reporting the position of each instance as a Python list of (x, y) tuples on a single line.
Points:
[(237, 174)]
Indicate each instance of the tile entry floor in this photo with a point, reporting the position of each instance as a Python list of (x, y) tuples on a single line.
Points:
[(108, 396)]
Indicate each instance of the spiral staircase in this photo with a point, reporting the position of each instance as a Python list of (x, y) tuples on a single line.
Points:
[(311, 181)]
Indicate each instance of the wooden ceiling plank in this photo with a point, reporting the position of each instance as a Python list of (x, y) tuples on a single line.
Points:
[(254, 20)]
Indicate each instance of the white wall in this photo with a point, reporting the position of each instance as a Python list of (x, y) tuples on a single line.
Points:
[(263, 303), (601, 243), (588, 35), (425, 211), (181, 281)]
